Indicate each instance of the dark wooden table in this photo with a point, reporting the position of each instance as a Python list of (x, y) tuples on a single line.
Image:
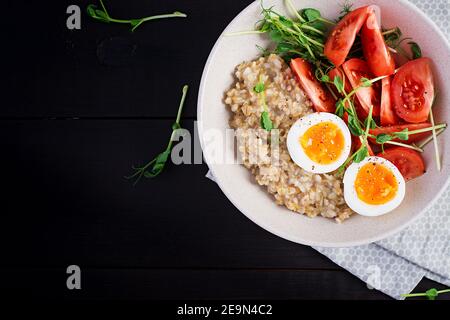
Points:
[(78, 109)]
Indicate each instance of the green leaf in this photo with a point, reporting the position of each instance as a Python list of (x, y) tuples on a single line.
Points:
[(325, 78), (340, 108), (286, 22), (159, 164), (266, 122), (382, 138), (265, 26), (135, 22), (276, 36), (393, 37), (284, 47), (415, 49), (91, 10), (176, 126), (361, 154), (432, 294), (366, 82), (310, 14), (97, 14), (404, 135), (260, 87), (354, 126), (303, 40), (372, 123), (339, 84)]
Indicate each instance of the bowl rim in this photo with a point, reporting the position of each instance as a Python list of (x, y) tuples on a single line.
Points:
[(268, 228)]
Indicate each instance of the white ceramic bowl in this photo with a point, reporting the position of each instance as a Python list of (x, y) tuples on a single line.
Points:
[(252, 200)]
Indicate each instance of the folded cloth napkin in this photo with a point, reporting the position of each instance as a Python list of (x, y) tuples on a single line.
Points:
[(396, 265)]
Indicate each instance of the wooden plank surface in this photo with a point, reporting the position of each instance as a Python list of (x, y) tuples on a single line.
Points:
[(78, 109)]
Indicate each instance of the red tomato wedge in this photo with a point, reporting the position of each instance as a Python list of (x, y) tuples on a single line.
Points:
[(387, 113), (321, 98), (412, 91), (355, 69), (401, 127), (376, 52), (409, 162), (343, 36)]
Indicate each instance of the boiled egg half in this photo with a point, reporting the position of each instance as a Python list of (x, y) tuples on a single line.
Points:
[(373, 187), (319, 142)]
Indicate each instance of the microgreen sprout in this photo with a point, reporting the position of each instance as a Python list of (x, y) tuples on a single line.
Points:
[(304, 36), (101, 14), (387, 138), (260, 88), (153, 168), (346, 9), (425, 142), (415, 49), (394, 40), (431, 294), (435, 142)]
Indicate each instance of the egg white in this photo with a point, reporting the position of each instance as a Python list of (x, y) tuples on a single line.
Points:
[(297, 152), (359, 206)]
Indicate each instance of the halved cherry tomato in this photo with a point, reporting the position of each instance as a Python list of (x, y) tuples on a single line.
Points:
[(357, 144), (387, 113), (375, 50), (321, 98), (412, 91), (409, 162), (400, 128), (343, 36), (355, 70)]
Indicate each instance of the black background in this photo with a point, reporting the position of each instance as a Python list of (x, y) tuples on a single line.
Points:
[(78, 109)]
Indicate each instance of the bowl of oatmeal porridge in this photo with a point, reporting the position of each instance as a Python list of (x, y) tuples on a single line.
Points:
[(253, 166)]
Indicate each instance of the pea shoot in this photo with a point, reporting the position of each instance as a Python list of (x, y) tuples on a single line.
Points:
[(101, 14), (303, 37), (431, 294), (260, 88), (394, 40), (154, 168)]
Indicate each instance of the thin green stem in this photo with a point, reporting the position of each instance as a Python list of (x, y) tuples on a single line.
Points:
[(432, 128), (104, 8), (305, 26), (181, 106), (327, 21), (436, 146), (321, 45), (444, 291), (293, 10), (399, 144), (390, 31), (176, 14), (412, 295), (429, 139), (369, 121), (243, 33)]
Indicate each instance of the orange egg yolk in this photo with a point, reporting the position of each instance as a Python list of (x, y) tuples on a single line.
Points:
[(375, 184), (323, 143)]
